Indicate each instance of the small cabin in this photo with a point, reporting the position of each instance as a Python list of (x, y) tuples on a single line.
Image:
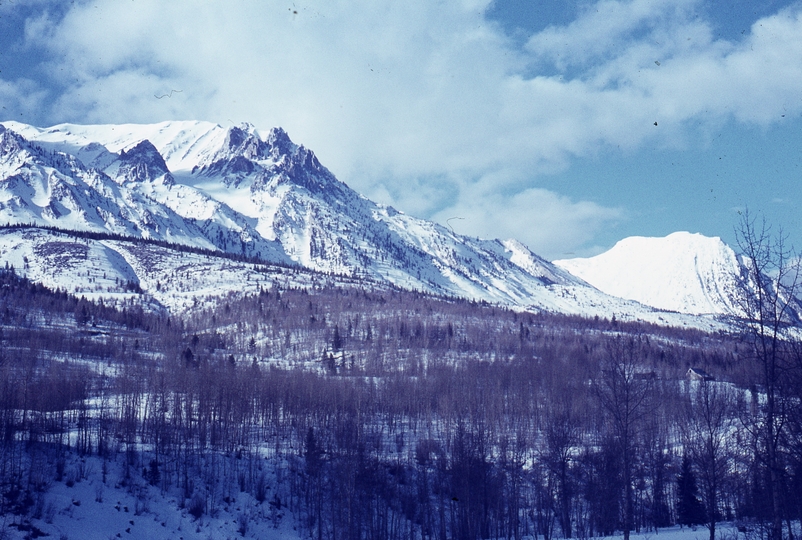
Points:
[(698, 374)]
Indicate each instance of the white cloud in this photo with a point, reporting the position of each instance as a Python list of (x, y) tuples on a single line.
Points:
[(606, 28), (537, 217), (394, 94), (22, 95)]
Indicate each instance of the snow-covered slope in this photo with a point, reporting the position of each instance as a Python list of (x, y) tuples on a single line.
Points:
[(131, 196), (265, 189), (154, 276), (241, 191), (684, 272), (259, 194)]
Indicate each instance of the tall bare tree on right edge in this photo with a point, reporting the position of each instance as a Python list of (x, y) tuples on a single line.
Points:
[(768, 299)]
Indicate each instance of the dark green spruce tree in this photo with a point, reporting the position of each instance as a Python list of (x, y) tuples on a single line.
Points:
[(690, 510)]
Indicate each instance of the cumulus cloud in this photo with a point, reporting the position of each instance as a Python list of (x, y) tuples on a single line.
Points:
[(608, 27), (20, 97), (553, 223), (418, 103)]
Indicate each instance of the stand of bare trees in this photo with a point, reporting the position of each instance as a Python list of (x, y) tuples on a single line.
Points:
[(400, 416), (769, 300)]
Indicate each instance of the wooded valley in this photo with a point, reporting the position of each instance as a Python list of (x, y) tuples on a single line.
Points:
[(399, 415)]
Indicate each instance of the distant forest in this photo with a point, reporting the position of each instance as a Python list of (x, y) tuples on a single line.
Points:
[(397, 415)]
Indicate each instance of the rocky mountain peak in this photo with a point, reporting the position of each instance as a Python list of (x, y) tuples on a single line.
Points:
[(242, 141), (259, 194), (280, 144), (142, 163), (10, 142), (237, 157), (17, 151), (301, 168)]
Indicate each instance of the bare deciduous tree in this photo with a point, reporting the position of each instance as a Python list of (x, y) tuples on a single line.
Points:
[(709, 421), (623, 393), (768, 299)]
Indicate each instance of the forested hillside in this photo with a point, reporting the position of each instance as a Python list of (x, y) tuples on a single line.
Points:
[(393, 415)]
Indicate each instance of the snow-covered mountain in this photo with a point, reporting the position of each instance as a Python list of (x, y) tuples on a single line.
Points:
[(684, 272), (240, 191)]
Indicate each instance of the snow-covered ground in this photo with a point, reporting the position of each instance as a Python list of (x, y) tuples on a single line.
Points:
[(84, 507), (724, 531)]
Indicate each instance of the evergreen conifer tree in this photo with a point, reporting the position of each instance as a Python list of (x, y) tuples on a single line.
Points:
[(690, 510)]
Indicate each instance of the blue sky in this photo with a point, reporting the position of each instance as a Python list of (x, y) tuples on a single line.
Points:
[(526, 119)]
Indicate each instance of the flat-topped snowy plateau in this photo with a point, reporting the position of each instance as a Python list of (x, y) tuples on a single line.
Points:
[(260, 198)]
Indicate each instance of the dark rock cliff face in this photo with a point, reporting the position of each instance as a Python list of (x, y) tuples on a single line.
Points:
[(142, 163)]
